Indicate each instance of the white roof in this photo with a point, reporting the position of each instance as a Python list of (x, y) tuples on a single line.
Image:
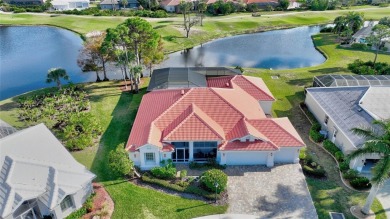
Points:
[(376, 102), (34, 164)]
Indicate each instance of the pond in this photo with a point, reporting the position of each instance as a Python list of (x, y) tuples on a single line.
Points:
[(278, 49), (27, 52)]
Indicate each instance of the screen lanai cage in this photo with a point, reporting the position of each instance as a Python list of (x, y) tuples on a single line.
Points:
[(351, 80)]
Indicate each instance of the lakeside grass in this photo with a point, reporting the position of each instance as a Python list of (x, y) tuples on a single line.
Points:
[(215, 27)]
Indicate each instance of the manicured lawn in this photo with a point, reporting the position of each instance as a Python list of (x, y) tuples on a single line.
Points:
[(214, 27)]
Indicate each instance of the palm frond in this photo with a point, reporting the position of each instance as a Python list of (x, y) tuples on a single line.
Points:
[(368, 148), (381, 170), (366, 132)]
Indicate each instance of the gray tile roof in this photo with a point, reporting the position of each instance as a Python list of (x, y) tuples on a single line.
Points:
[(6, 129), (341, 104), (166, 78), (351, 80)]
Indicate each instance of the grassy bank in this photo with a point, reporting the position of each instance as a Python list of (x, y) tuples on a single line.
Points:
[(171, 28)]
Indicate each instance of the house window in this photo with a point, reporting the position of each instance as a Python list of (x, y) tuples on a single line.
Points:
[(205, 150), (149, 157), (66, 203), (326, 120)]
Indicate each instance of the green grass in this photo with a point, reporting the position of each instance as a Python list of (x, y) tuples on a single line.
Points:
[(145, 203), (214, 27)]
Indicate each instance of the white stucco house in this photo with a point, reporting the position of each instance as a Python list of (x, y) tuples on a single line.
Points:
[(339, 109), (64, 5), (39, 177), (229, 120)]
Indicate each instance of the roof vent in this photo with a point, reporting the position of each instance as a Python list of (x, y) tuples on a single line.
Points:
[(182, 92), (227, 84)]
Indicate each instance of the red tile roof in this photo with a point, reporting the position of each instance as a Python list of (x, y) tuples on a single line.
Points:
[(215, 113)]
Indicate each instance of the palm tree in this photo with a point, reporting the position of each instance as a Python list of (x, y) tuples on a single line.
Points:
[(377, 142), (55, 75), (355, 20)]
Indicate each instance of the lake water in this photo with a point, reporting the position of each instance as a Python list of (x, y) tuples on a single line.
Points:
[(27, 52), (279, 49)]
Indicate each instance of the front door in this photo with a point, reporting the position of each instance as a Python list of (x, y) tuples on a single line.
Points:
[(181, 155)]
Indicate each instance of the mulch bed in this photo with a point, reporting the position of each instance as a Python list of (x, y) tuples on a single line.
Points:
[(100, 199), (222, 201)]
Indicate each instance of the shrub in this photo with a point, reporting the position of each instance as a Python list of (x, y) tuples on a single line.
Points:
[(316, 136), (183, 174), (77, 214), (344, 166), (360, 183), (165, 172), (317, 172), (339, 156), (213, 176), (331, 147), (360, 46), (360, 67), (119, 161), (326, 30), (316, 127), (182, 183), (351, 174)]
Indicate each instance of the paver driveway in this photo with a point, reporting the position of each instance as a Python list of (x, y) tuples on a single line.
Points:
[(278, 192)]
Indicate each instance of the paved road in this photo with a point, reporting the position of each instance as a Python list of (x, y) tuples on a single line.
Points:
[(384, 197), (278, 192)]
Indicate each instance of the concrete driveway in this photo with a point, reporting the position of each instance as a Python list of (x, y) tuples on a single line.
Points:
[(278, 192), (384, 197)]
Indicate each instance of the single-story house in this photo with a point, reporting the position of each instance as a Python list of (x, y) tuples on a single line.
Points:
[(273, 3), (229, 121), (361, 35), (64, 5), (24, 2), (39, 177), (339, 109), (115, 4), (173, 5)]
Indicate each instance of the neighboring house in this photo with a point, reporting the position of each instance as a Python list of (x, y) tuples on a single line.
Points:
[(351, 80), (339, 109), (362, 34), (169, 78), (39, 177), (273, 3), (24, 2), (110, 4), (229, 121), (170, 5), (64, 5)]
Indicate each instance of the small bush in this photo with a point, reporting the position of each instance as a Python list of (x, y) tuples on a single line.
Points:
[(213, 176), (326, 30), (344, 166), (360, 183), (182, 183), (331, 147), (183, 174), (316, 127), (351, 174), (339, 156), (317, 172), (316, 136), (360, 46), (165, 172)]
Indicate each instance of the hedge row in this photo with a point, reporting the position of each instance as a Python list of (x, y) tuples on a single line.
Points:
[(318, 171)]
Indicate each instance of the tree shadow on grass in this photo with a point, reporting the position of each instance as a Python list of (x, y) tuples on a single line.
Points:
[(196, 206), (288, 203), (334, 70), (116, 133)]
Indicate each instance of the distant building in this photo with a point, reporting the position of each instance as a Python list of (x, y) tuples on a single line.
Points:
[(340, 109), (64, 5), (39, 177), (114, 4)]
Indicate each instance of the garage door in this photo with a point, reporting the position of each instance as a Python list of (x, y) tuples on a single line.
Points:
[(246, 158)]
